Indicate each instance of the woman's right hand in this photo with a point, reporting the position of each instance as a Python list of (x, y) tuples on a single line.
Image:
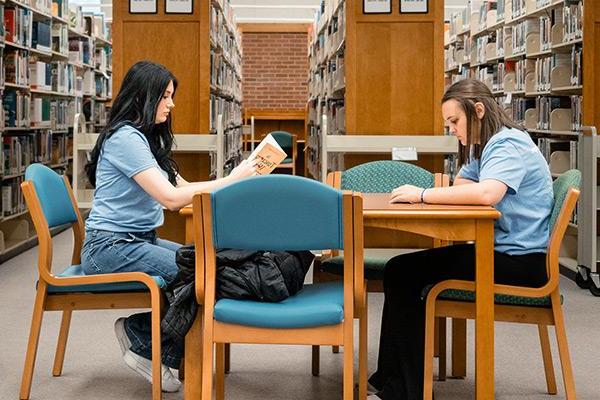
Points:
[(245, 169)]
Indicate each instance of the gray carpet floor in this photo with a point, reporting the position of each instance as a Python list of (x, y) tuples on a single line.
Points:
[(94, 369)]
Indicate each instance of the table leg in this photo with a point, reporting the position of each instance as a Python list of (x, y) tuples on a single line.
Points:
[(484, 321)]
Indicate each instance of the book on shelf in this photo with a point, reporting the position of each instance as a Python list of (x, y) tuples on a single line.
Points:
[(267, 155), (41, 37)]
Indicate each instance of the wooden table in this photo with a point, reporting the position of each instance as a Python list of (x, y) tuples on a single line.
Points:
[(453, 223)]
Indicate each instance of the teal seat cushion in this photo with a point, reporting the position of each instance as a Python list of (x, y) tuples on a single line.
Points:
[(76, 270), (374, 267), (287, 160), (467, 295), (315, 305)]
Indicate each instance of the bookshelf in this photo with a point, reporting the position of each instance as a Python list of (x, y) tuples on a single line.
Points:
[(360, 76), (533, 54), (204, 53), (54, 62)]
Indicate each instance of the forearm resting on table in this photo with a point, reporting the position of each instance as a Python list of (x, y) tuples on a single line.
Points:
[(169, 196), (486, 193)]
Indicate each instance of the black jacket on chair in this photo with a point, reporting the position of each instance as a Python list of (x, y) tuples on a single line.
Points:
[(241, 274)]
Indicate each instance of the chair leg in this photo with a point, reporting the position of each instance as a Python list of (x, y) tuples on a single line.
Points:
[(363, 357), (32, 344), (61, 345), (316, 358), (459, 348), (436, 337), (227, 358), (156, 350), (335, 349), (207, 368), (193, 359), (349, 360), (441, 330), (547, 358), (428, 360), (563, 347), (220, 376)]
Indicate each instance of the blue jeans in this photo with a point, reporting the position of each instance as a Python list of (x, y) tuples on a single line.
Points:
[(106, 252)]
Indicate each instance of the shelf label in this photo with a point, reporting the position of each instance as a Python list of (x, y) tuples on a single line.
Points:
[(404, 153)]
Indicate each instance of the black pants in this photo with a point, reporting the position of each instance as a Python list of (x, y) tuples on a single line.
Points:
[(399, 374)]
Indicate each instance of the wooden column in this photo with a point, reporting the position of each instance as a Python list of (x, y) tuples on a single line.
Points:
[(395, 73), (394, 85), (591, 64)]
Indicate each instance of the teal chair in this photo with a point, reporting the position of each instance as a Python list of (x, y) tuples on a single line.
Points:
[(288, 143), (538, 306), (51, 203), (377, 177), (317, 217)]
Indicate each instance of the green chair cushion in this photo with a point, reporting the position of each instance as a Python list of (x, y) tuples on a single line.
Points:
[(385, 176), (373, 267), (469, 296), (287, 160)]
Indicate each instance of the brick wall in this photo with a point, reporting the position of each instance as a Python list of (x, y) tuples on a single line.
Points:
[(275, 70)]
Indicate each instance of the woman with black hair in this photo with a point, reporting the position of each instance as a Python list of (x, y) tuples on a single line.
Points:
[(501, 167), (134, 177)]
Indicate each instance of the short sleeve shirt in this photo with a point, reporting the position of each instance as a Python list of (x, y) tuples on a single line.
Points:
[(120, 204), (511, 157)]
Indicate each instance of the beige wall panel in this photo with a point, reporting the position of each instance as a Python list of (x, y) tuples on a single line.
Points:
[(181, 60)]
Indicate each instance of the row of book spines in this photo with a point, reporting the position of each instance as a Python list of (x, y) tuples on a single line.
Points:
[(229, 109), (20, 151), (13, 201), (23, 111), (20, 28), (544, 106)]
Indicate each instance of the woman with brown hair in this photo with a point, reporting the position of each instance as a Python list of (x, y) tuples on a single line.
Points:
[(501, 167)]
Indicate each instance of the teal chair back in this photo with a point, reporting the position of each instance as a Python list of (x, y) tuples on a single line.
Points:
[(277, 212), (53, 195), (284, 139), (560, 187), (385, 176)]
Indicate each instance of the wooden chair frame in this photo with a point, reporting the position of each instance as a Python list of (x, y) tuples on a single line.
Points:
[(219, 333), (542, 317), (69, 302)]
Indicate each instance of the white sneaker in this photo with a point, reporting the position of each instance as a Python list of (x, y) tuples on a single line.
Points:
[(371, 389), (142, 365), (122, 338)]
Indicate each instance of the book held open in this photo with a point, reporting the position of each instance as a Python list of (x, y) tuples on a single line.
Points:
[(268, 155)]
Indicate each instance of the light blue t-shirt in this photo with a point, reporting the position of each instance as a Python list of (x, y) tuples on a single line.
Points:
[(511, 157), (120, 204)]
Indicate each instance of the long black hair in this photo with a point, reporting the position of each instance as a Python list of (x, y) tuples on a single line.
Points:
[(136, 104)]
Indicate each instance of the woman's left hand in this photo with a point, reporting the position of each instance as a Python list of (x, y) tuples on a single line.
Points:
[(406, 194)]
